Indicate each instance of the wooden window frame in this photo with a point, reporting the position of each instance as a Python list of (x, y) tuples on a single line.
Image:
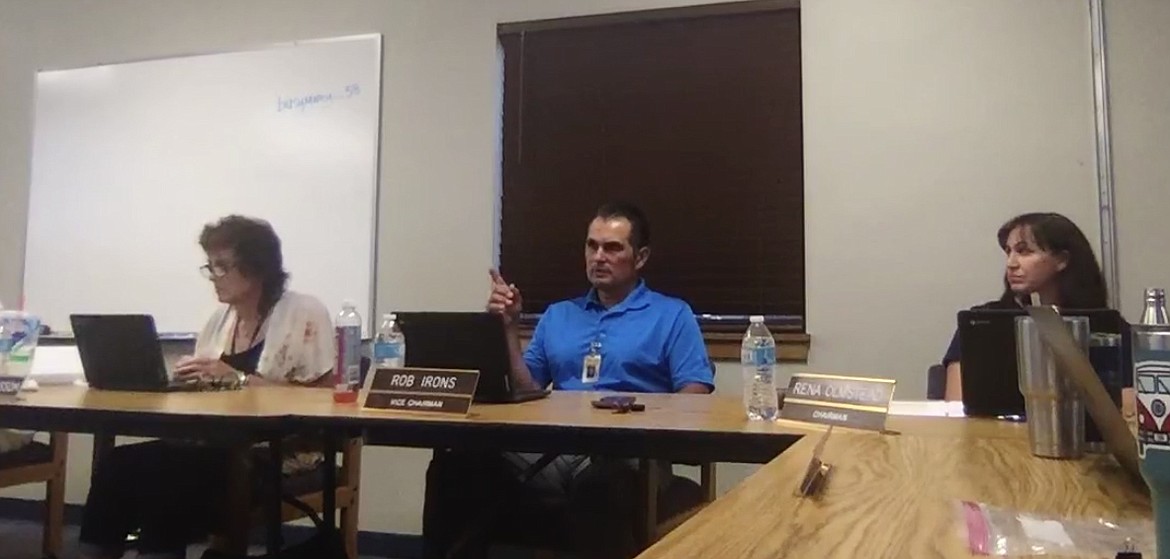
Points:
[(791, 347), (659, 14)]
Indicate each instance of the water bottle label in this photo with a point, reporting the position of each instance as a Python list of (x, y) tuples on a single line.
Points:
[(349, 339), (763, 356), (1152, 381), (384, 351)]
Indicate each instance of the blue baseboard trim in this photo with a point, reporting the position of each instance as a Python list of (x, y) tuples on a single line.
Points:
[(376, 544)]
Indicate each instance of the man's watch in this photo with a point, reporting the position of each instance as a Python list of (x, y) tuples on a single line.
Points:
[(241, 378)]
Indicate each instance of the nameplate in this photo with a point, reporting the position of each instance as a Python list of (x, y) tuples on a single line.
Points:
[(817, 471), (9, 386), (443, 391), (860, 403)]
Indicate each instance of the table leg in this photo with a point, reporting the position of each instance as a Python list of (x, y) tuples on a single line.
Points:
[(648, 511), (275, 502), (329, 482), (103, 443), (239, 505)]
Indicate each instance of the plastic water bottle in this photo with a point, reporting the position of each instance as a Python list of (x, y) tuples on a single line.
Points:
[(390, 345), (758, 357), (21, 333), (347, 372)]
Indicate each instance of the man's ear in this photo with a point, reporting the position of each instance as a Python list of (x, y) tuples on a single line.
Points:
[(641, 257)]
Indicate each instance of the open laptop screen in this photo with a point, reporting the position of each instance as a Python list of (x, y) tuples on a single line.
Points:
[(990, 371)]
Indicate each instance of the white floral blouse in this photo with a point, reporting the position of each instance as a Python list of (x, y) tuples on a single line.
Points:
[(298, 339), (298, 349)]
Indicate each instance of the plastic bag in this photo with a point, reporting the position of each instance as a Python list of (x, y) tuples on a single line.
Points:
[(994, 531)]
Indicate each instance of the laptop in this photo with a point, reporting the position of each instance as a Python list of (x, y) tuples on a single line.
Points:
[(991, 385), (464, 340), (122, 352)]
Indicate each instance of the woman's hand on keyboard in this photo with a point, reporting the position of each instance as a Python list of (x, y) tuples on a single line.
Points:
[(203, 368)]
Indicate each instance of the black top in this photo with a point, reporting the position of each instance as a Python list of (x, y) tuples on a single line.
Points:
[(954, 350), (246, 360)]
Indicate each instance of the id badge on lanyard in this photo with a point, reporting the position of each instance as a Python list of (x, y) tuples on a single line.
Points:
[(591, 365)]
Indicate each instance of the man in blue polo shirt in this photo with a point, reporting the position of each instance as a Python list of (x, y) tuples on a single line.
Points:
[(620, 336)]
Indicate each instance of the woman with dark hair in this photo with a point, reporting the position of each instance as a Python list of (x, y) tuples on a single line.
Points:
[(262, 332), (174, 492), (1048, 257)]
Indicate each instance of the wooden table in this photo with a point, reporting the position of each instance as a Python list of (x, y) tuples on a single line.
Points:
[(235, 418), (683, 427), (677, 427), (894, 495), (152, 414), (890, 495)]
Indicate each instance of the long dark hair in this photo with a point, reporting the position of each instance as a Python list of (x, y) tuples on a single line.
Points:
[(1081, 285), (257, 252)]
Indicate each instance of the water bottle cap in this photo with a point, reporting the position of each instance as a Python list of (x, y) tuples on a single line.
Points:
[(756, 319), (389, 316), (347, 304)]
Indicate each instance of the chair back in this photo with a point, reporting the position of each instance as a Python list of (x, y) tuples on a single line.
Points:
[(936, 382)]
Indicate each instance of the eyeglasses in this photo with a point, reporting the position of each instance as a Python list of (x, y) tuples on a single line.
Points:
[(215, 270)]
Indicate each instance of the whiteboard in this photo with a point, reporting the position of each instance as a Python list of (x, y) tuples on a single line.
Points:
[(131, 160)]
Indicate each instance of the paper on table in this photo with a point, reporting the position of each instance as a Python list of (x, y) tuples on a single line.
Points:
[(56, 365), (927, 408)]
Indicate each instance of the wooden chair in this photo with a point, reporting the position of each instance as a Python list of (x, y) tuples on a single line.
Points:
[(652, 513), (654, 522), (936, 382), (658, 527), (307, 488), (37, 463)]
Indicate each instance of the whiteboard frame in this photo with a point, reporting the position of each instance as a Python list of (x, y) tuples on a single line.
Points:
[(374, 203)]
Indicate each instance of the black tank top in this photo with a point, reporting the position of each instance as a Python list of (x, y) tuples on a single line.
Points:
[(246, 360)]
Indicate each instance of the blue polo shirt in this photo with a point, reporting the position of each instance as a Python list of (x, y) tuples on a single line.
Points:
[(648, 343)]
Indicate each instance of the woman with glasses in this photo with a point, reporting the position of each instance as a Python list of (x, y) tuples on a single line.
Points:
[(173, 492)]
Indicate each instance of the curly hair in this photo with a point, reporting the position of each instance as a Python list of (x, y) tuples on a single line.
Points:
[(257, 251)]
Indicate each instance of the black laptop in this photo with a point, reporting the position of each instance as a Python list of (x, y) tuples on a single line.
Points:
[(122, 352), (987, 337), (464, 340)]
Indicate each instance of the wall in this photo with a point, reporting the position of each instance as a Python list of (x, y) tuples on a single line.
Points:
[(927, 125), (1139, 79), (16, 113), (438, 138)]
